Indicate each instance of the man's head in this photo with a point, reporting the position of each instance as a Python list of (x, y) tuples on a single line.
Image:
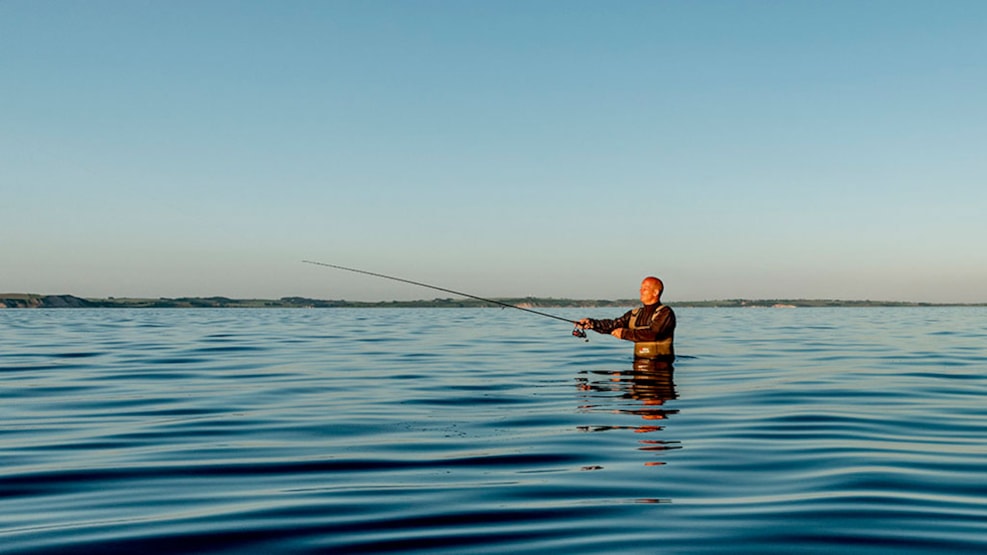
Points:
[(651, 289)]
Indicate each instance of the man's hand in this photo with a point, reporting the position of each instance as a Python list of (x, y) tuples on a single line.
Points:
[(619, 333), (584, 324)]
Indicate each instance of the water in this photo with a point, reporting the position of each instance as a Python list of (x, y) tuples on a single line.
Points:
[(491, 431)]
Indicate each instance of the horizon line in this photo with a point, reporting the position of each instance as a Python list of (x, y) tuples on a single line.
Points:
[(620, 302)]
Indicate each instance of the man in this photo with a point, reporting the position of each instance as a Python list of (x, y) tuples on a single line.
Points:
[(651, 327)]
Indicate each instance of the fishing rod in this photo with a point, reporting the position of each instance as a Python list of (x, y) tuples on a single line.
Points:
[(577, 331)]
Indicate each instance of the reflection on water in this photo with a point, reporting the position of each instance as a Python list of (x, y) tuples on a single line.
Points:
[(641, 391)]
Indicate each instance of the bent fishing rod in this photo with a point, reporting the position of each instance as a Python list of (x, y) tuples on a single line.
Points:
[(577, 331)]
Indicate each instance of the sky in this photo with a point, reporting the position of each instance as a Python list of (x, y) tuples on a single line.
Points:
[(736, 149)]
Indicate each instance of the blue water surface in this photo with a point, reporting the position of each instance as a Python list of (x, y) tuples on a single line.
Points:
[(491, 431)]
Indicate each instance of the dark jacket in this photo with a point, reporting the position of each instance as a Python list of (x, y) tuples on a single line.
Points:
[(652, 329)]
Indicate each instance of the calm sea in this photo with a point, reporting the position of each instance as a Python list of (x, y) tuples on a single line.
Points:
[(491, 431)]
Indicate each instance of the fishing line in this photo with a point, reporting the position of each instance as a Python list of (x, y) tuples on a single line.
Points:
[(576, 331)]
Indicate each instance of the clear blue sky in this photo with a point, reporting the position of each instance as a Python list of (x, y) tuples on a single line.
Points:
[(758, 149)]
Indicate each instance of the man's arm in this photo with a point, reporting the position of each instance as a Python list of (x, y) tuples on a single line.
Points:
[(606, 325)]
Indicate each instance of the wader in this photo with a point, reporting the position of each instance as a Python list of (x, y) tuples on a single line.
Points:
[(651, 349)]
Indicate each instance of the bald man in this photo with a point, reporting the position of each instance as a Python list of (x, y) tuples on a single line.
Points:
[(651, 327)]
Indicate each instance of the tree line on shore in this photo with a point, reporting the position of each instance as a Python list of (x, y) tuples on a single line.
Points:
[(18, 300)]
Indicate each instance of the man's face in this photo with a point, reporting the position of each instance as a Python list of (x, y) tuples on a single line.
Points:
[(649, 293)]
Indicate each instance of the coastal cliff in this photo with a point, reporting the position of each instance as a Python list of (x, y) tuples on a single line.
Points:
[(44, 301)]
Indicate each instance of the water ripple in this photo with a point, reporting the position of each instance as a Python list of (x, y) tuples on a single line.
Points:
[(490, 431)]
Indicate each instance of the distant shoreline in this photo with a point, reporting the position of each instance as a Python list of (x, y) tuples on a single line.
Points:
[(30, 300)]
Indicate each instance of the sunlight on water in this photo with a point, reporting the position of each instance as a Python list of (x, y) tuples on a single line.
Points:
[(491, 431)]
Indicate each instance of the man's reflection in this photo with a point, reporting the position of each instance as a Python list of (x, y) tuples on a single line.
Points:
[(642, 392)]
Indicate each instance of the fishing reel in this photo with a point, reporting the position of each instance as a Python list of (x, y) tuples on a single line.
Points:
[(579, 332)]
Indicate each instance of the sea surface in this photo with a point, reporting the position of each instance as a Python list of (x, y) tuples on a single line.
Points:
[(809, 430)]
